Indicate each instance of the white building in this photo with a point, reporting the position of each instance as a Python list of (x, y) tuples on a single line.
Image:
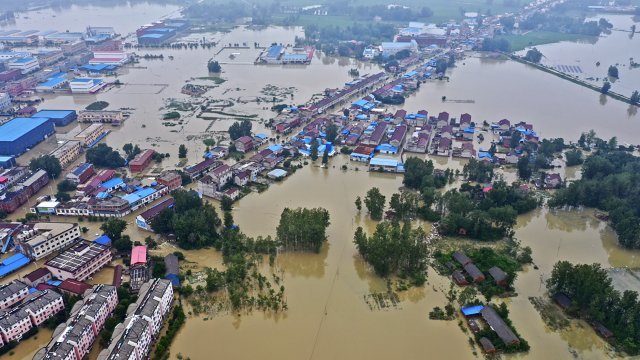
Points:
[(86, 85), (25, 64), (12, 293), (110, 57), (46, 238), (8, 55), (80, 261), (5, 101), (392, 48)]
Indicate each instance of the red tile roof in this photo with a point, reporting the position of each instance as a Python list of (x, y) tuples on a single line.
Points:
[(139, 255), (37, 274), (74, 286)]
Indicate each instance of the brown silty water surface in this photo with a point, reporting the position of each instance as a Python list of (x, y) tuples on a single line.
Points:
[(328, 317)]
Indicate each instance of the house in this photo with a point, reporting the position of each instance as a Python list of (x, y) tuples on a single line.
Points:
[(38, 276), (172, 266), (73, 287), (362, 153), (399, 116), (232, 193), (461, 258), (201, 168), (443, 119), (552, 181), (465, 121), (398, 135), (467, 150), (468, 132), (504, 124), (142, 160), (244, 144), (221, 175), (138, 270), (474, 272), (277, 174), (459, 277), (242, 178), (499, 276), (220, 152), (602, 330), (487, 346), (498, 325), (446, 132), (81, 173), (385, 165), (511, 158), (170, 179), (444, 147), (143, 220)]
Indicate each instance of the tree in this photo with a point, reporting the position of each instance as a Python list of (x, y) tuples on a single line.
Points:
[(605, 87), (331, 132), (524, 169), (479, 171), (103, 155), (240, 129), (533, 55), (66, 185), (131, 151), (226, 204), (48, 163), (516, 136), (635, 97), (228, 220), (574, 157), (214, 66), (303, 229), (613, 71), (182, 151), (325, 155), (314, 150), (358, 203), (374, 201), (63, 196), (113, 228)]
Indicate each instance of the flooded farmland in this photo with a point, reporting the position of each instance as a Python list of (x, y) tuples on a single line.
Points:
[(328, 316)]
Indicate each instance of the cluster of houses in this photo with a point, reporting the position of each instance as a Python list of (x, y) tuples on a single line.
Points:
[(494, 321), (104, 194), (471, 271)]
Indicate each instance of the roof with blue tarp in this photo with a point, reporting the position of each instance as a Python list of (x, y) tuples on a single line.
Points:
[(97, 67), (387, 148), (13, 263), (112, 183), (526, 132), (103, 240), (275, 147), (484, 154), (102, 195), (54, 282), (274, 51), (175, 280), (469, 130), (362, 117), (427, 74), (397, 88), (262, 136), (472, 310), (410, 74)]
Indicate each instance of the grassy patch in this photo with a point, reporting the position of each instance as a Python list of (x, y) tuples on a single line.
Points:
[(98, 105), (533, 38), (172, 115), (216, 79)]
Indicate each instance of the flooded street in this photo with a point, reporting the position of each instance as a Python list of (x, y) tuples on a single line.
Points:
[(328, 317)]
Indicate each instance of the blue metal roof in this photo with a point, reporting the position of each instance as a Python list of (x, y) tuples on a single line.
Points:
[(152, 36), (275, 147), (18, 127), (110, 184), (383, 162), (262, 136), (23, 60), (472, 310), (387, 148), (145, 192), (103, 240), (274, 51), (53, 114), (12, 264), (175, 280)]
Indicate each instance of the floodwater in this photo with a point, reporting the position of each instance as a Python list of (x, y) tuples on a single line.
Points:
[(328, 317)]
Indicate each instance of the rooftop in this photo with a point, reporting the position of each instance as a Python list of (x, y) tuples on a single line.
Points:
[(53, 114), (77, 256), (139, 255), (18, 127)]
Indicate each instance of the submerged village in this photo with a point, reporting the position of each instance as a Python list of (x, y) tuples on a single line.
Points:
[(171, 189)]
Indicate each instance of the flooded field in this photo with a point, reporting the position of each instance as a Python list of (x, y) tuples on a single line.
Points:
[(328, 316)]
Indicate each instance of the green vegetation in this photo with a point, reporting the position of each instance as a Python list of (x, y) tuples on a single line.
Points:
[(594, 298), (131, 151), (66, 185), (214, 66), (635, 97), (574, 157), (478, 171), (395, 250), (606, 86), (98, 105), (193, 222), (314, 150), (103, 155), (358, 203), (533, 55), (487, 332), (612, 71), (303, 229), (538, 37), (172, 115), (125, 298), (609, 182), (48, 163), (405, 205), (182, 151), (114, 228), (483, 215), (374, 201), (240, 129), (175, 323), (216, 79)]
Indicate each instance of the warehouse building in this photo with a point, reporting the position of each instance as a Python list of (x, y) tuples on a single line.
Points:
[(20, 134), (80, 261), (59, 117), (25, 65)]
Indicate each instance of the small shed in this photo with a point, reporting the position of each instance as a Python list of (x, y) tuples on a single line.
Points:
[(487, 345), (474, 272), (562, 300), (499, 276), (277, 174), (459, 277), (472, 310), (461, 258), (602, 330)]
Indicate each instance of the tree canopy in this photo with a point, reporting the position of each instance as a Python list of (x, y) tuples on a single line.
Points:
[(375, 201), (103, 155), (48, 163), (303, 229), (239, 129)]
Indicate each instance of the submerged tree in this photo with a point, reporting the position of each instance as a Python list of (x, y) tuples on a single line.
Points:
[(303, 229), (374, 201)]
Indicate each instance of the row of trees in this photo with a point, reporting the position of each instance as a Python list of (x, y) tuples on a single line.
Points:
[(395, 250), (609, 182), (594, 297), (239, 129), (303, 229)]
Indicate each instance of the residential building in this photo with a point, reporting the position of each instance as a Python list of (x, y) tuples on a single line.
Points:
[(73, 287), (172, 272), (101, 116), (143, 220), (138, 270), (46, 238), (12, 293), (90, 135), (37, 276), (5, 101), (20, 134), (474, 272), (73, 48), (74, 339), (552, 181), (68, 152), (242, 178), (141, 161), (38, 307), (12, 197), (392, 48), (385, 165), (80, 261), (14, 323), (201, 168), (498, 325), (499, 276), (81, 173), (221, 175), (244, 144), (25, 65), (170, 179)]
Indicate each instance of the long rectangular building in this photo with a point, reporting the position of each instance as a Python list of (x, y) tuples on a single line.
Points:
[(20, 134), (80, 261), (40, 306), (45, 238)]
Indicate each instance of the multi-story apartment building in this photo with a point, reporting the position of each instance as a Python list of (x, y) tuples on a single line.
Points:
[(67, 152), (12, 293), (39, 306), (91, 134), (45, 238), (80, 261)]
